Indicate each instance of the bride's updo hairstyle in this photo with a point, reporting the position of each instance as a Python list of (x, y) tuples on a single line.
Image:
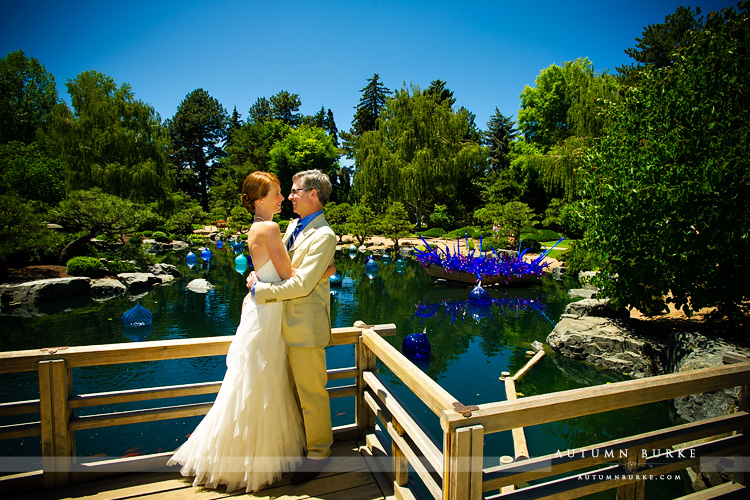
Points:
[(255, 187)]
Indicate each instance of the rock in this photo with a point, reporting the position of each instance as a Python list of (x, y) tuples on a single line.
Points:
[(200, 286), (362, 249), (593, 307), (163, 269), (537, 346), (33, 292), (581, 293), (404, 251), (137, 282), (107, 287), (608, 344), (179, 246), (585, 277), (558, 272)]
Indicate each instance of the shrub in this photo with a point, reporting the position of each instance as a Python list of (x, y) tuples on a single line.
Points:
[(283, 224), (161, 236), (496, 243), (577, 259), (435, 232), (540, 234), (530, 242), (471, 231), (120, 266), (148, 233), (84, 266)]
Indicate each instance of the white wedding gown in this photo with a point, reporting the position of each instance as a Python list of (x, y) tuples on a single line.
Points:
[(253, 432)]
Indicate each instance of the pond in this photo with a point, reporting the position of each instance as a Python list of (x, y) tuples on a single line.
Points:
[(471, 347)]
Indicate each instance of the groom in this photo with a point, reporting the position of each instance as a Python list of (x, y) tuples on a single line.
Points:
[(306, 324)]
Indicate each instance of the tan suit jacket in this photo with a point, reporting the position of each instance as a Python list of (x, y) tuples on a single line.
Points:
[(306, 317)]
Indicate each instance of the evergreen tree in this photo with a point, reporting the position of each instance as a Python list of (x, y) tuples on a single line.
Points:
[(235, 122), (260, 111), (27, 96), (198, 131), (285, 107), (440, 92), (395, 223), (370, 106), (500, 132)]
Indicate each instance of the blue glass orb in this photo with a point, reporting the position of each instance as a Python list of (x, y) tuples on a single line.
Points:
[(237, 247), (137, 333), (371, 267), (206, 254), (240, 260), (241, 266), (400, 265), (477, 311), (416, 346), (335, 280), (352, 251), (387, 259), (219, 244), (137, 316), (191, 259), (479, 296)]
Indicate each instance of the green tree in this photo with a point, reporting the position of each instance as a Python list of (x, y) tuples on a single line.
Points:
[(368, 110), (92, 212), (512, 217), (669, 182), (422, 154), (500, 133), (184, 218), (110, 140), (31, 174), (439, 92), (23, 232), (198, 130), (240, 220), (336, 215), (260, 111), (285, 107), (361, 223), (395, 223), (27, 96)]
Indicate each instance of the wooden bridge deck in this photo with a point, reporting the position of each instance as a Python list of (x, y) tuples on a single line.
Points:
[(346, 477)]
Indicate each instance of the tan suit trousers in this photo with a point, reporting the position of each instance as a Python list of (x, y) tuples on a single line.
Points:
[(308, 367)]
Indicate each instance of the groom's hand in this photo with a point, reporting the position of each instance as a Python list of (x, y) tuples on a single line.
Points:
[(251, 279)]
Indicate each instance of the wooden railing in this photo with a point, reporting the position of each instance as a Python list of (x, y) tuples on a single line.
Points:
[(56, 404), (454, 472), (457, 473)]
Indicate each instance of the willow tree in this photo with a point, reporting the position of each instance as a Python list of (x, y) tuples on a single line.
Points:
[(423, 153)]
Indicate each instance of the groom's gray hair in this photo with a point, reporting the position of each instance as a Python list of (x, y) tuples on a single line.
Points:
[(317, 180)]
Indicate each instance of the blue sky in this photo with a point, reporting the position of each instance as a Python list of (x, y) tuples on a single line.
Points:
[(240, 50)]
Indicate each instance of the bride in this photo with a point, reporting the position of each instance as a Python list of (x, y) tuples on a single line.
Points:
[(253, 432)]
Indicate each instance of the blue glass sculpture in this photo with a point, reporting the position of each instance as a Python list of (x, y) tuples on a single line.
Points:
[(241, 266), (237, 247), (416, 345), (137, 316), (352, 251), (206, 254), (335, 280), (240, 259), (400, 265), (479, 296), (387, 259), (371, 267), (219, 244), (191, 259)]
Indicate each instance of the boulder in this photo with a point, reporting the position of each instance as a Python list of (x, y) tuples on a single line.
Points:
[(137, 282), (593, 307), (200, 286), (34, 292), (404, 251), (107, 287), (582, 293), (161, 269)]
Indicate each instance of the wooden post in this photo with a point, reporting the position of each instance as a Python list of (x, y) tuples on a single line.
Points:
[(463, 451), (740, 476), (58, 448), (520, 447), (364, 418), (632, 465), (399, 460)]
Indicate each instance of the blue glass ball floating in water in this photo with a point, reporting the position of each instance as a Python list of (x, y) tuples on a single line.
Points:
[(219, 244), (416, 345), (240, 267), (191, 259), (137, 316), (237, 246), (240, 259), (400, 265), (386, 259), (352, 251), (335, 280), (371, 267), (206, 254), (479, 296)]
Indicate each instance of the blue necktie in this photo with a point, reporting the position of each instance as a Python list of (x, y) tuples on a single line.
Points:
[(295, 233)]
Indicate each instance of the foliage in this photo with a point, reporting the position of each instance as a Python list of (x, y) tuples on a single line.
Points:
[(441, 218), (190, 215), (161, 237), (500, 133), (422, 154), (369, 108), (240, 220), (433, 232), (395, 224), (572, 219), (467, 231), (669, 182), (115, 266), (23, 233), (110, 140), (198, 130), (540, 234), (336, 215), (577, 259), (30, 173), (92, 212), (27, 96), (512, 217), (361, 223), (85, 266)]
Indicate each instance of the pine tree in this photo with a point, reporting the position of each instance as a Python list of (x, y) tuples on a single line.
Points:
[(500, 132)]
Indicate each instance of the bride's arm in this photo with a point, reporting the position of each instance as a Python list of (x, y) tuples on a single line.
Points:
[(276, 250)]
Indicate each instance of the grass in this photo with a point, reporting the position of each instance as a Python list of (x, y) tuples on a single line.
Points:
[(558, 249)]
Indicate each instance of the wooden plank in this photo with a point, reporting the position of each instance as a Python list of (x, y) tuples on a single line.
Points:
[(136, 416), (427, 390), (14, 431), (726, 490), (407, 449), (424, 443), (535, 410), (142, 394), (342, 391), (520, 448), (399, 461), (19, 407), (132, 352), (366, 361), (528, 365), (553, 464), (339, 373)]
